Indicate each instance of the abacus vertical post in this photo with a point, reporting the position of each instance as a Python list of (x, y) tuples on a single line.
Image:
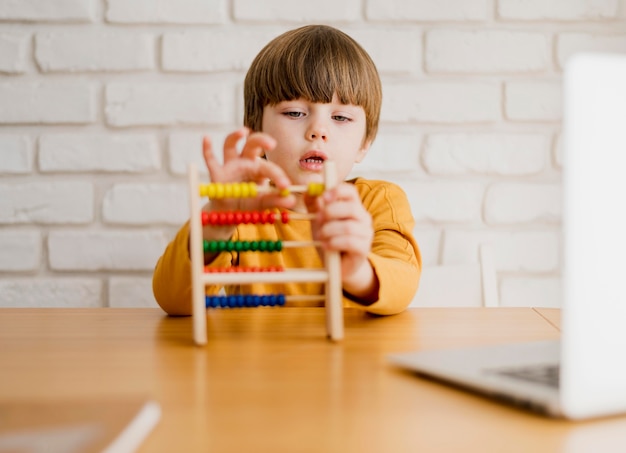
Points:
[(332, 261), (197, 260)]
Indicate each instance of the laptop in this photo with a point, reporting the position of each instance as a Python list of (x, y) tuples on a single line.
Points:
[(582, 375)]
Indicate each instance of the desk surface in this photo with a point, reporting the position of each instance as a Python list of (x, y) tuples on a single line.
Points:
[(269, 380)]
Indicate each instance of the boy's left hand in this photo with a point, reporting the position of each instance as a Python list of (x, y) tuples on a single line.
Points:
[(342, 224)]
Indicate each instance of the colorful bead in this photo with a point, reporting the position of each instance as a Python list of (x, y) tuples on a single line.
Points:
[(242, 246), (219, 190), (245, 300), (315, 189), (242, 217)]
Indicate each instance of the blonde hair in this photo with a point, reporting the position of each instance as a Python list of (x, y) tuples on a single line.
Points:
[(313, 62)]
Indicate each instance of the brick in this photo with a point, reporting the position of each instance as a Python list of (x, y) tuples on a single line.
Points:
[(14, 49), (21, 250), (426, 10), (216, 50), (394, 51), (167, 11), (130, 292), (107, 153), (441, 102), (523, 203), (46, 202), (105, 250), (444, 202), (533, 101), (392, 153), (51, 293), (48, 10), (164, 104), (186, 148), (558, 9), (514, 251), (47, 102), (558, 151), (531, 292), (146, 204), (487, 154), (94, 51), (429, 242), (489, 51), (300, 12), (17, 154), (571, 43)]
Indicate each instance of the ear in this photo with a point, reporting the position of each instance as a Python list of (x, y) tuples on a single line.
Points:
[(363, 151)]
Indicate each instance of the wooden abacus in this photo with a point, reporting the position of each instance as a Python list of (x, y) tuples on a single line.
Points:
[(330, 274)]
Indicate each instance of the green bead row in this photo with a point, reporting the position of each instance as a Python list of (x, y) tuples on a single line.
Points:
[(242, 246)]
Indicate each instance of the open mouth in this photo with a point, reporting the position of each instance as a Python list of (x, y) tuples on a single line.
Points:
[(313, 161)]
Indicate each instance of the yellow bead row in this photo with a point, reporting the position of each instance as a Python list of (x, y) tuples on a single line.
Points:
[(219, 190)]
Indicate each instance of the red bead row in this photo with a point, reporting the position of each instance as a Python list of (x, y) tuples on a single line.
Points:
[(213, 270), (239, 217)]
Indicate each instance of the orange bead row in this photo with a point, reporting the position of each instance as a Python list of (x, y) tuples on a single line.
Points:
[(213, 270)]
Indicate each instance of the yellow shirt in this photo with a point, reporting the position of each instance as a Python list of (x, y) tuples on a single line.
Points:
[(395, 256)]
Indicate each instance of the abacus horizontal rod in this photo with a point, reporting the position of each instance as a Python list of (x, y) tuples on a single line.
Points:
[(306, 298), (301, 216), (298, 188), (295, 244), (247, 278)]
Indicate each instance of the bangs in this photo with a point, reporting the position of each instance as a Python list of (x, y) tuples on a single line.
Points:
[(315, 71)]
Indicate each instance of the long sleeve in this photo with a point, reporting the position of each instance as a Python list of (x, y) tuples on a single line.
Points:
[(395, 255), (171, 281)]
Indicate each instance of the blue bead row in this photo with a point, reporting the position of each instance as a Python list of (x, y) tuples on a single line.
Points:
[(245, 300)]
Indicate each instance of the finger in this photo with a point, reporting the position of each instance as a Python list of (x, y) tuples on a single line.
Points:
[(343, 191), (260, 170), (257, 144), (231, 141), (209, 158), (346, 228), (348, 211)]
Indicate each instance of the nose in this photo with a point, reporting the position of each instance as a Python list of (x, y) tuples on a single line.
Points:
[(317, 131)]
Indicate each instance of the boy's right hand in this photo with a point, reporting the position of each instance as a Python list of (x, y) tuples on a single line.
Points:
[(247, 166)]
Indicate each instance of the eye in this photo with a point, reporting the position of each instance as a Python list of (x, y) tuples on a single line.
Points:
[(341, 118), (293, 114)]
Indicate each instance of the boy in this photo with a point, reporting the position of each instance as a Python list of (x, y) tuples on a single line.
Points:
[(311, 95)]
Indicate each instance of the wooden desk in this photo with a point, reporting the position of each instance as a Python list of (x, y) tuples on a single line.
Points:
[(268, 381)]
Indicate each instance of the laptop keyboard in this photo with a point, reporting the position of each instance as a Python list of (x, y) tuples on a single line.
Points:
[(541, 374)]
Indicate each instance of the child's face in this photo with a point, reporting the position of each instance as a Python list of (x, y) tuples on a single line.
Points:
[(308, 133)]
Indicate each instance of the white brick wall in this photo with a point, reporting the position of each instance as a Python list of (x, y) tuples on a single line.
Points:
[(55, 202), (47, 102), (558, 9), (486, 51), (13, 52), (103, 152), (94, 51), (17, 154), (103, 104), (48, 10)]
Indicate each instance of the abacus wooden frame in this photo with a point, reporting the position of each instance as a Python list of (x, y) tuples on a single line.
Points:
[(330, 274)]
